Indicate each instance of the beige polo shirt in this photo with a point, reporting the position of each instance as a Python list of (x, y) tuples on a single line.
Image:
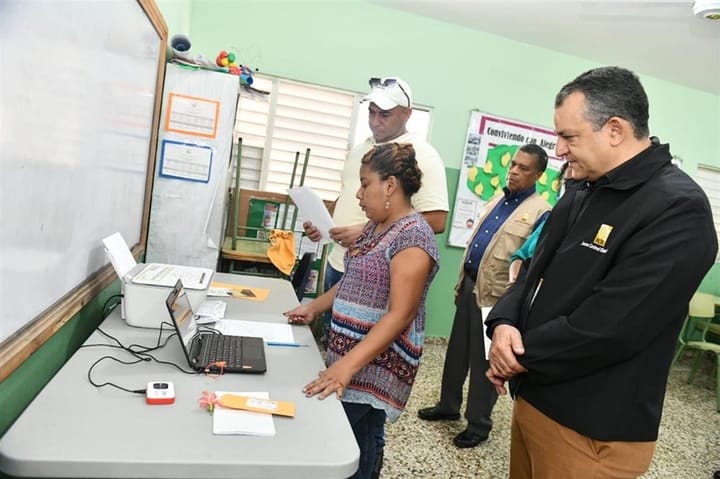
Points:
[(432, 196)]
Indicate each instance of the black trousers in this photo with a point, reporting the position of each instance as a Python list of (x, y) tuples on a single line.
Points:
[(466, 351)]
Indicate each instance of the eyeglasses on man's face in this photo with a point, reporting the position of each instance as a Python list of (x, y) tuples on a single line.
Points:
[(389, 83)]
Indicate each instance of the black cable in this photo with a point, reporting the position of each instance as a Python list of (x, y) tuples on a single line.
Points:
[(133, 348), (105, 310), (203, 328), (140, 352), (150, 357), (139, 348), (89, 375)]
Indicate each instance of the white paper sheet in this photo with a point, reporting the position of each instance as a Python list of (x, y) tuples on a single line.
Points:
[(158, 274), (313, 208), (488, 342), (237, 421), (119, 253), (210, 311), (270, 332), (219, 292)]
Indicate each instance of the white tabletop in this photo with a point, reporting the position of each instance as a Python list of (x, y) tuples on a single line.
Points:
[(73, 429)]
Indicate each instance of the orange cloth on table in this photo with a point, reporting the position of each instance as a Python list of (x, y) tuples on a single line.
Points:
[(282, 250)]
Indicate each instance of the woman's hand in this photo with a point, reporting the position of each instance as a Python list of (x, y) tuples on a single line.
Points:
[(303, 314), (332, 380), (346, 235)]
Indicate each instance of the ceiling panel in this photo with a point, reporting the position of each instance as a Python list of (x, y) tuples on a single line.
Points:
[(660, 38)]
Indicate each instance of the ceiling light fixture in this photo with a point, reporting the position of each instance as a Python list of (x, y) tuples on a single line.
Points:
[(707, 9)]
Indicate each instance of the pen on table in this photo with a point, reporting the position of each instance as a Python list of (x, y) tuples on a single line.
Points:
[(289, 345), (202, 278)]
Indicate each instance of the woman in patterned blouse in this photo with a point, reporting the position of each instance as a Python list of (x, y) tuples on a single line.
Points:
[(378, 307)]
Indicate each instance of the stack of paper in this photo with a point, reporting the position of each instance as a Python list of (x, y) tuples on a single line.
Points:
[(238, 421)]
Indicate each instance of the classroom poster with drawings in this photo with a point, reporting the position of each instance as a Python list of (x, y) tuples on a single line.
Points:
[(490, 144)]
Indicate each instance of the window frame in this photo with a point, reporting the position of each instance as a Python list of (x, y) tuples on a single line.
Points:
[(708, 178), (260, 178)]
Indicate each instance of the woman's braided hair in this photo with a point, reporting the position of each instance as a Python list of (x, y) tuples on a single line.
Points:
[(398, 160)]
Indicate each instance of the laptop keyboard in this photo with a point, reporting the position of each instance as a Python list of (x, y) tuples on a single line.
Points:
[(223, 348)]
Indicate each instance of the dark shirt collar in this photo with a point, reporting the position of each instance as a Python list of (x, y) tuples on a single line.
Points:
[(519, 195), (638, 169)]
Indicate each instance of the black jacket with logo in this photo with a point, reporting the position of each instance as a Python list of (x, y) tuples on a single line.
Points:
[(612, 275)]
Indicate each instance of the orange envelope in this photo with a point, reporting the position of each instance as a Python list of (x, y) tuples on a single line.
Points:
[(280, 408), (243, 292)]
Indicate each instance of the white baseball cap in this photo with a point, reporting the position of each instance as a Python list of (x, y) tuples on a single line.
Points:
[(387, 93)]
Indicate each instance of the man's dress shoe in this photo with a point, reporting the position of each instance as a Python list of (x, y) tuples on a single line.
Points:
[(468, 438), (434, 414)]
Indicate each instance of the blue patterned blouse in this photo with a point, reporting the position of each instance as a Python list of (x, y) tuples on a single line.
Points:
[(362, 300)]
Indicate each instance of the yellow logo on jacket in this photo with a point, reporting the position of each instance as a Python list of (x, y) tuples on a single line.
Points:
[(601, 236), (525, 218)]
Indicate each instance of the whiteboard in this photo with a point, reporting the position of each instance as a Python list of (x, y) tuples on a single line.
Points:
[(77, 95)]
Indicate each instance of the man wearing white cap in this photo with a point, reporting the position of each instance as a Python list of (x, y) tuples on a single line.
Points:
[(389, 110)]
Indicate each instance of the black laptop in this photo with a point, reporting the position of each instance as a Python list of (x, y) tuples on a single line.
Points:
[(204, 349)]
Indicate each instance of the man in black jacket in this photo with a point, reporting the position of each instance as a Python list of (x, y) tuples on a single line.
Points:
[(586, 334)]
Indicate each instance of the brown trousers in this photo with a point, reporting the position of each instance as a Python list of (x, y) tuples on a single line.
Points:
[(540, 448)]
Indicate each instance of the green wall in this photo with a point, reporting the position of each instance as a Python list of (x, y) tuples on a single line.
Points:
[(453, 69), (711, 283), (19, 389)]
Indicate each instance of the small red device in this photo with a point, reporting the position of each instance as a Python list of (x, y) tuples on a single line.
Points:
[(160, 393)]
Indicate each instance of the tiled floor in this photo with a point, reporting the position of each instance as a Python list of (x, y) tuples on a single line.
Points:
[(688, 446)]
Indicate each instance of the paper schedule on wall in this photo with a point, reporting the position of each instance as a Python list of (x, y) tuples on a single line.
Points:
[(185, 161), (192, 115)]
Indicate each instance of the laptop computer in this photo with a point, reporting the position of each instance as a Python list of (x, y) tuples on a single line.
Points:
[(241, 354)]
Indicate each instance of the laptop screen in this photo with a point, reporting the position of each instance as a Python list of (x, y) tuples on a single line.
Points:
[(182, 314), (241, 354)]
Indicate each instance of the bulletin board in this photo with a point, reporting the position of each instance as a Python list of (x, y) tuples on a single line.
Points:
[(490, 144), (77, 148)]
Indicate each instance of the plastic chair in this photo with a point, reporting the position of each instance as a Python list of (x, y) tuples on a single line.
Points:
[(301, 275), (702, 312)]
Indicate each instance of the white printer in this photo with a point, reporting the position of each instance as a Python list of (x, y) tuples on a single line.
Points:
[(145, 287)]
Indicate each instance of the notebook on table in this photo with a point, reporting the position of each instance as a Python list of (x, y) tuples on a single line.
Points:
[(241, 354)]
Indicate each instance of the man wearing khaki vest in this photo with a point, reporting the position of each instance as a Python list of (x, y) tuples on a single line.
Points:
[(504, 224)]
